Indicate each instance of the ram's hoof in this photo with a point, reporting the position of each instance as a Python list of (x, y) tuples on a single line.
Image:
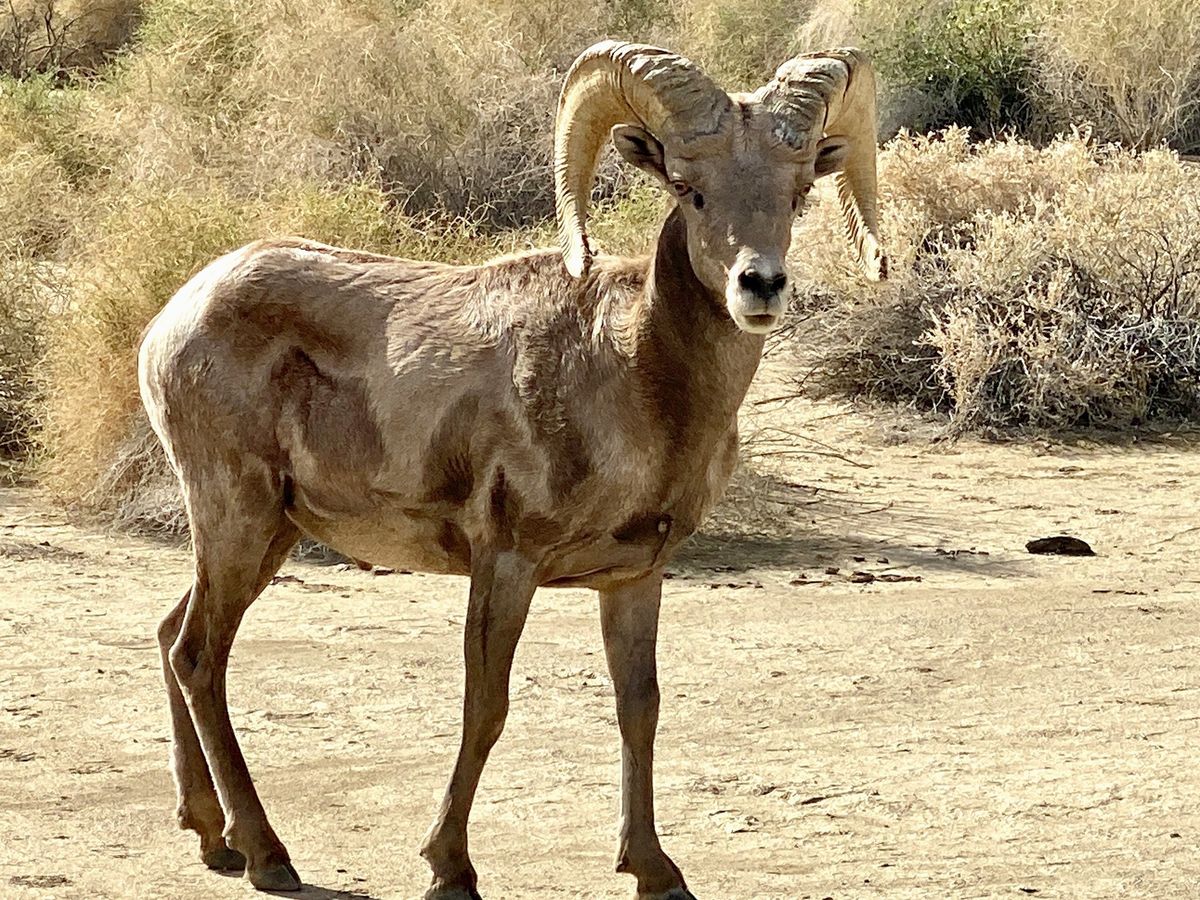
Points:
[(223, 859), (275, 877)]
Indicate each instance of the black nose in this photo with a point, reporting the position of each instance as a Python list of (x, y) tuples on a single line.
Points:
[(762, 286)]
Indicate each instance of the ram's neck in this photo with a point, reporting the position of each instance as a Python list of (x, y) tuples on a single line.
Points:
[(697, 364)]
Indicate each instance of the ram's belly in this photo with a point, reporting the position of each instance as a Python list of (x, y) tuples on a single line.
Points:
[(390, 538), (591, 557)]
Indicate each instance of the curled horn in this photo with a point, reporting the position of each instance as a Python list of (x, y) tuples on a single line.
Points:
[(833, 93), (614, 83)]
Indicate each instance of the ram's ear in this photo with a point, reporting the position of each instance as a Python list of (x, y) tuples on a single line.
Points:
[(832, 153), (640, 148)]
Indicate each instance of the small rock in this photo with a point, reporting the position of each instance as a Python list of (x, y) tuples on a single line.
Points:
[(1060, 545)]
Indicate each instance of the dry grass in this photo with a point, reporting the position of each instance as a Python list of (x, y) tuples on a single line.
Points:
[(1130, 68), (447, 108)]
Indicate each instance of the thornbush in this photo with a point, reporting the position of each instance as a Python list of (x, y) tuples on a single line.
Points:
[(26, 290)]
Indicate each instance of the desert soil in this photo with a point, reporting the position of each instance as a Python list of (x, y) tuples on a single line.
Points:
[(973, 722)]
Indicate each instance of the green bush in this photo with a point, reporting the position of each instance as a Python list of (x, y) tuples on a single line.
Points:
[(970, 62)]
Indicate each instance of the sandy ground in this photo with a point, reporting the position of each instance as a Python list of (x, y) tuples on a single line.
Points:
[(1007, 725)]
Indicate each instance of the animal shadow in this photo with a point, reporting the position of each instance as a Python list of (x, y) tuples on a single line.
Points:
[(772, 524), (316, 892)]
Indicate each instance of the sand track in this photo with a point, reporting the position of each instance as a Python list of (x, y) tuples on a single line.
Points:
[(1008, 725)]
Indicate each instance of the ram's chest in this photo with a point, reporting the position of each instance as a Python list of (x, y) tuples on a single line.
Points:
[(637, 525)]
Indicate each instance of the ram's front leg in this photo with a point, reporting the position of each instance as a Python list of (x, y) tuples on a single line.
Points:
[(629, 619), (502, 585)]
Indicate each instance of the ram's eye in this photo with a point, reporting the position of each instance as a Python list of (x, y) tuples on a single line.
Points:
[(680, 188)]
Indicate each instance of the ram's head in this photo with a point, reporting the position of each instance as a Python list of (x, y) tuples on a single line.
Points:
[(738, 165)]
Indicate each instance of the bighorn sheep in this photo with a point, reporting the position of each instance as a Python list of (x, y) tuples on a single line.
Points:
[(524, 422)]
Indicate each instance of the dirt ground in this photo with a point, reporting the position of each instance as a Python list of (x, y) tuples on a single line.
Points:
[(1004, 725)]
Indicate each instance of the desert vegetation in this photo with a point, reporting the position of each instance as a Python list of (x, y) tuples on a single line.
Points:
[(1041, 221)]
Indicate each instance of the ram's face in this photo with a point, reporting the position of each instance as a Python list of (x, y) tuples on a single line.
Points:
[(739, 193)]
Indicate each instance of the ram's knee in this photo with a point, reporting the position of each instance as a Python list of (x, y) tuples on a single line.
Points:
[(193, 669)]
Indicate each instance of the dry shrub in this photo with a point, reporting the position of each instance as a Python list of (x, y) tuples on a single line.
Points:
[(1050, 288), (447, 106), (28, 289), (37, 208), (1130, 68), (442, 120), (63, 38)]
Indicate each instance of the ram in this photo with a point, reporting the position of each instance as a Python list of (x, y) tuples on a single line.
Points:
[(553, 418)]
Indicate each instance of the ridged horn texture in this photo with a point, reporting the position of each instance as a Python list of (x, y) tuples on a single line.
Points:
[(833, 92), (614, 83)]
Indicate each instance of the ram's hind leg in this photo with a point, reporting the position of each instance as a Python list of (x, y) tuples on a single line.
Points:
[(241, 538), (198, 809)]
